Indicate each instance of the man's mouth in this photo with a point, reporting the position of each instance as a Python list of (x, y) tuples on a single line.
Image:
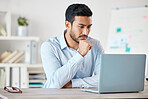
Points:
[(83, 37)]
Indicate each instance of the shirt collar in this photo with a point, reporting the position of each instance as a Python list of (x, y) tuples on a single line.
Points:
[(63, 41)]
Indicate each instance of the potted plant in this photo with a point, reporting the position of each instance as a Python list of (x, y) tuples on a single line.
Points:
[(22, 29)]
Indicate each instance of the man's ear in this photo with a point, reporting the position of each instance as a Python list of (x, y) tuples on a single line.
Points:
[(67, 25)]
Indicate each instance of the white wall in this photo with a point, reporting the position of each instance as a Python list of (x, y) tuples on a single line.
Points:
[(46, 17)]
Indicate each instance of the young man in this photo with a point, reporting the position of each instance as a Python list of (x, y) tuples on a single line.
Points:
[(72, 59)]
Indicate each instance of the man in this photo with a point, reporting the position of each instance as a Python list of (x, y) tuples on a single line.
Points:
[(72, 59)]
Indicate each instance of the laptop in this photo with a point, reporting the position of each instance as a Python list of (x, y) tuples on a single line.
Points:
[(121, 73)]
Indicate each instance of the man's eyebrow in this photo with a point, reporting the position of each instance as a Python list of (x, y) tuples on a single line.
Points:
[(84, 24), (81, 24), (90, 25)]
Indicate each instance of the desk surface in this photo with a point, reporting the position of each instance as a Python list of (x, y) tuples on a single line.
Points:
[(45, 93)]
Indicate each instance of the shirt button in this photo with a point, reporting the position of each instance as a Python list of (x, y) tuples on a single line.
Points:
[(83, 86)]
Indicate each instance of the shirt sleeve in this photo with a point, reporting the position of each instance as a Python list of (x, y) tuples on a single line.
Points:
[(92, 81), (57, 75), (86, 82)]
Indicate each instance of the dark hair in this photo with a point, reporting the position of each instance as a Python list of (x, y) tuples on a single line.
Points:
[(77, 10)]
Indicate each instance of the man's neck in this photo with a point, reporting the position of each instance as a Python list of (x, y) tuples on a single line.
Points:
[(70, 42)]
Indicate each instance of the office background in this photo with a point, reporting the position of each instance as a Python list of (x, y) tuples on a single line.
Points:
[(46, 17)]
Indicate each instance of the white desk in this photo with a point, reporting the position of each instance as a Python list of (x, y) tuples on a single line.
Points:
[(44, 93)]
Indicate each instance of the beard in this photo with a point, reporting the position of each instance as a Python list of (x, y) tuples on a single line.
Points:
[(73, 36)]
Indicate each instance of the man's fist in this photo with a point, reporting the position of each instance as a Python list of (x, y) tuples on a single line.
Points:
[(84, 47)]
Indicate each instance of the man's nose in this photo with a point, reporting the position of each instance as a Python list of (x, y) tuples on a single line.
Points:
[(85, 31)]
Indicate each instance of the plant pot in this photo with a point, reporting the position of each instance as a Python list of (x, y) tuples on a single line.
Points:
[(22, 31)]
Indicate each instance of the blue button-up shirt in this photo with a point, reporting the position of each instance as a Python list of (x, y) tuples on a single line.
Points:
[(62, 63)]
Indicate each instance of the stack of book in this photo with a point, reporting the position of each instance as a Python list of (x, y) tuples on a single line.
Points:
[(12, 56), (19, 77), (36, 79)]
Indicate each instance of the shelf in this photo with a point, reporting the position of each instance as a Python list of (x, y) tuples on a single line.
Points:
[(20, 65), (27, 38)]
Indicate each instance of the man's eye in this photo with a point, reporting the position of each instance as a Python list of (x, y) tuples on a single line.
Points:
[(81, 26)]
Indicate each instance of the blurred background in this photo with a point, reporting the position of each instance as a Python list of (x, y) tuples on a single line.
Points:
[(47, 17)]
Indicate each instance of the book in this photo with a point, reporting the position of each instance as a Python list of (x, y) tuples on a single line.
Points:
[(23, 77), (3, 31), (36, 76), (37, 81), (28, 52), (33, 52), (6, 60), (12, 60), (2, 77), (36, 85), (19, 59), (4, 55), (15, 77)]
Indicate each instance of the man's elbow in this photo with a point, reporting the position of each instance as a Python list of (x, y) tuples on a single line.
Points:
[(52, 84)]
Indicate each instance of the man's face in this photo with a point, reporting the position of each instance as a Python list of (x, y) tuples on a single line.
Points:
[(80, 28)]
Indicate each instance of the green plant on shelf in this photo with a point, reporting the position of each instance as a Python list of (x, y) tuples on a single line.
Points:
[(22, 21)]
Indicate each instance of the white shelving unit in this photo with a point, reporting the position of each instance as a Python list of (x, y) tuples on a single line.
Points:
[(6, 22), (8, 66)]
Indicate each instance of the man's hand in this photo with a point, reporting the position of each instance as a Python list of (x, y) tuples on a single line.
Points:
[(84, 47), (68, 85)]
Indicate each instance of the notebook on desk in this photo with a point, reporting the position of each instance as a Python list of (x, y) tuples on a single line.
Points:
[(121, 73)]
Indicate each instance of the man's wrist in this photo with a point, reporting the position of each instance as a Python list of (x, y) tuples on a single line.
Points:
[(68, 85), (81, 53)]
